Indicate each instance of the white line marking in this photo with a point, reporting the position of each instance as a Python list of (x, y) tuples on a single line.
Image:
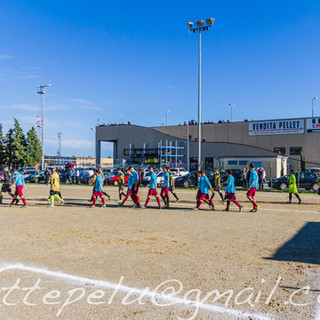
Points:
[(317, 315), (147, 293)]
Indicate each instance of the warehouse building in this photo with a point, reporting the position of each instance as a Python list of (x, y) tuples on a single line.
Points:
[(277, 145)]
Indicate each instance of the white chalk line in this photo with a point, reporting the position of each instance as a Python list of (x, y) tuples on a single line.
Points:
[(317, 315), (140, 292)]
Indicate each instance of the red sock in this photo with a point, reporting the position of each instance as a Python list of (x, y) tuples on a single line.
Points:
[(127, 196), (94, 200), (13, 200), (158, 200), (199, 204), (24, 201), (147, 201), (103, 200), (137, 200), (237, 203), (254, 204)]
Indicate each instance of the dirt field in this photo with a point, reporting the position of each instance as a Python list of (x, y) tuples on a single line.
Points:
[(275, 250)]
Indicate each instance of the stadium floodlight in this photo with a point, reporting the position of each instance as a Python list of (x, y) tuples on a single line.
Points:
[(314, 98), (199, 28), (200, 23), (210, 21)]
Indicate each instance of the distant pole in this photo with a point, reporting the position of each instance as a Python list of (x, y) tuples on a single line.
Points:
[(188, 147), (231, 107), (166, 122), (41, 91), (59, 144), (314, 98)]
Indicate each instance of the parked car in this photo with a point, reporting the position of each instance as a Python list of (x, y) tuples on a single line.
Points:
[(237, 177), (179, 172), (146, 178), (190, 180), (314, 170), (306, 180), (28, 171), (114, 179), (38, 177)]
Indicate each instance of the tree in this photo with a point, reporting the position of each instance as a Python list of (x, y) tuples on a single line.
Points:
[(3, 158), (18, 146), (34, 150)]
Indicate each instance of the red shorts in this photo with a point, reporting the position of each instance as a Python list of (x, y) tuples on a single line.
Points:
[(251, 192), (230, 196), (204, 196), (98, 194), (165, 190), (18, 191), (153, 192)]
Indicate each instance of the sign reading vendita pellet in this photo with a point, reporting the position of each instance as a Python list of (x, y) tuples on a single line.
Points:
[(290, 126)]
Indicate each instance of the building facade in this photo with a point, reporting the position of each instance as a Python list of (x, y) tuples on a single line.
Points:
[(286, 139)]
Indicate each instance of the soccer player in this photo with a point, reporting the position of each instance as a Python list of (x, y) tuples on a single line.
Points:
[(98, 189), (293, 187), (100, 172), (231, 192), (54, 182), (121, 183), (198, 196), (153, 188), (172, 187), (132, 182), (165, 187), (7, 181), (217, 185), (135, 187), (19, 182), (205, 185), (253, 185)]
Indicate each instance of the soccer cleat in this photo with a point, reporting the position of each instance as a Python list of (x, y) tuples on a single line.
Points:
[(289, 202), (166, 206), (213, 208), (195, 209), (103, 206), (178, 200), (24, 206), (254, 210), (93, 206), (51, 205), (299, 201), (159, 207), (258, 207), (222, 202), (225, 209), (240, 209), (133, 206), (62, 203), (17, 201), (120, 204)]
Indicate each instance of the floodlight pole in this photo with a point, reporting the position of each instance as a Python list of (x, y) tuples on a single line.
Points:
[(41, 91), (200, 27)]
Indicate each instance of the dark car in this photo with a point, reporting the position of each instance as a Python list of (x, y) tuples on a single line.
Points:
[(38, 177), (306, 180), (190, 180)]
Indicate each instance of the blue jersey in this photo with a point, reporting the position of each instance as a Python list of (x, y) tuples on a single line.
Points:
[(230, 188), (98, 183), (253, 177), (205, 184), (135, 177), (200, 182), (153, 181), (166, 180), (130, 181), (19, 179)]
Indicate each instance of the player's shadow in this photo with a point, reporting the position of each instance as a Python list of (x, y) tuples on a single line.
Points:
[(304, 246)]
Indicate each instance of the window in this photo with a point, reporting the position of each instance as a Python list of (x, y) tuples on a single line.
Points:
[(243, 162), (232, 162), (295, 151), (126, 152), (280, 150)]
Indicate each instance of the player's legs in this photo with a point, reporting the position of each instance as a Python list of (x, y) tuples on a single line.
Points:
[(58, 197), (127, 196), (298, 197), (147, 201)]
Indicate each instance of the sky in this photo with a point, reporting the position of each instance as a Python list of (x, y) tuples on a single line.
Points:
[(134, 60)]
